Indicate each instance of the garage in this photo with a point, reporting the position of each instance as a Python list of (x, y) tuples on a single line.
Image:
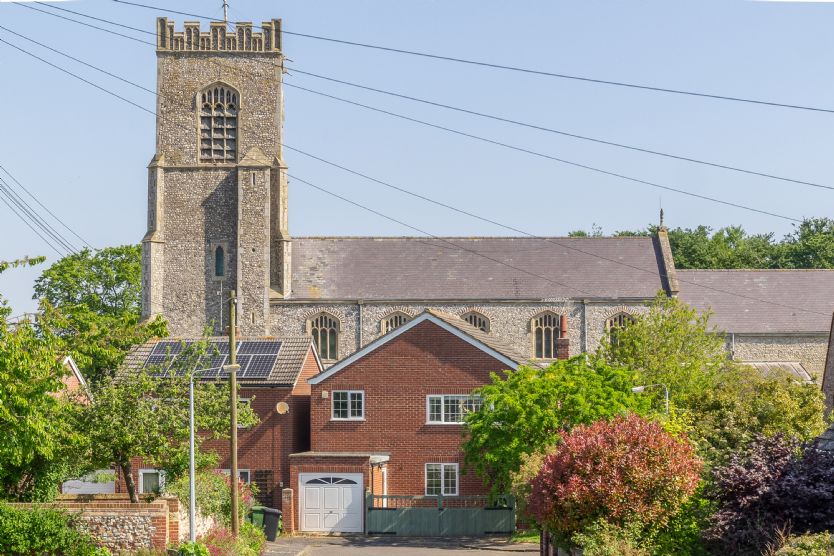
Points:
[(330, 502)]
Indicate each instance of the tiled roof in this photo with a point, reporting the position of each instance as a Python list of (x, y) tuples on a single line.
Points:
[(769, 368), (285, 372), (405, 268), (762, 301), (499, 345)]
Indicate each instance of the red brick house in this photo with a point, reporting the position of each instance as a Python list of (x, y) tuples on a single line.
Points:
[(389, 419), (263, 450)]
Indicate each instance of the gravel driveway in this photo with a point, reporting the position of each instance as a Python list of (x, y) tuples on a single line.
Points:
[(397, 546)]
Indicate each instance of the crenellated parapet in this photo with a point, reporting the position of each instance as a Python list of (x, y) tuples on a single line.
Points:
[(218, 38)]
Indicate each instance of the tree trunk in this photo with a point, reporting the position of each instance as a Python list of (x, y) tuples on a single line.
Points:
[(127, 471)]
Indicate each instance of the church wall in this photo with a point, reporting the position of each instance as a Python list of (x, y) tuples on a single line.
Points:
[(509, 321), (807, 349)]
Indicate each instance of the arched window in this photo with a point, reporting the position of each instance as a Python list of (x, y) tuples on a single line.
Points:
[(219, 262), (218, 124), (616, 324), (477, 320), (324, 329), (545, 333), (393, 321)]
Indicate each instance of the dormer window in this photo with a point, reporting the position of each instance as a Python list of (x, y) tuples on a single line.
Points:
[(218, 124)]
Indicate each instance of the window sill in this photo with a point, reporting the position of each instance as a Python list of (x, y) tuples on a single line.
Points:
[(350, 420), (444, 424)]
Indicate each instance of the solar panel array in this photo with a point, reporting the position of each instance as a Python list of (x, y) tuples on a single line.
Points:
[(255, 357)]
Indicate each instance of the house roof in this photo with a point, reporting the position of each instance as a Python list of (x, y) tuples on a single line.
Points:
[(285, 371), (771, 368), (496, 348), (762, 301), (410, 268)]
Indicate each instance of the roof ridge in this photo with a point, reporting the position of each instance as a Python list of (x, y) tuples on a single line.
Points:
[(775, 270), (526, 237)]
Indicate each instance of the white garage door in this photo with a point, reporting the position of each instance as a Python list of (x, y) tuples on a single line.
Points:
[(331, 503)]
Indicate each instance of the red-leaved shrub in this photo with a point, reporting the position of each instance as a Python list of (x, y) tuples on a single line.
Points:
[(625, 470)]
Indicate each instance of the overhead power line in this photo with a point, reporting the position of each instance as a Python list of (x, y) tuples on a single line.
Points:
[(510, 68), (23, 5), (442, 128), (560, 132), (547, 156), (4, 197), (55, 216), (36, 218), (728, 292)]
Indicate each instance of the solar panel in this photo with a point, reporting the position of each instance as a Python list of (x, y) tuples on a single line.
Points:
[(256, 358)]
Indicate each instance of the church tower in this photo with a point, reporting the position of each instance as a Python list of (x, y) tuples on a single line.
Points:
[(217, 185)]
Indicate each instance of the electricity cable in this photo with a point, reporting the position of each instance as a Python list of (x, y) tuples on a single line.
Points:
[(512, 68)]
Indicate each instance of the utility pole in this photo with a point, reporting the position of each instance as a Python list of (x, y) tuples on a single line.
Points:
[(232, 368)]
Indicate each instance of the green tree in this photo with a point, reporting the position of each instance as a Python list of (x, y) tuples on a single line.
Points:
[(810, 245), (145, 414), (93, 302), (724, 403), (527, 410), (41, 445)]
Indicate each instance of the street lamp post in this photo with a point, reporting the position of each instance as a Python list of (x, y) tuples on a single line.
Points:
[(639, 389)]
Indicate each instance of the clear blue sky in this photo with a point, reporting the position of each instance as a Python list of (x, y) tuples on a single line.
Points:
[(84, 153)]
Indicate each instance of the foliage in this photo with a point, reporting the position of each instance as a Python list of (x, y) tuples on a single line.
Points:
[(820, 544), (602, 538), (250, 542), (24, 532), (146, 415), (193, 549), (622, 471), (25, 261), (527, 410), (774, 485), (521, 479), (212, 487), (724, 404), (682, 534), (41, 445), (93, 301), (809, 245)]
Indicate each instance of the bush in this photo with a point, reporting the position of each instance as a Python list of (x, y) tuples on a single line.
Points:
[(682, 535), (193, 549), (24, 532), (621, 471), (806, 545), (213, 489), (219, 541), (605, 539), (777, 484)]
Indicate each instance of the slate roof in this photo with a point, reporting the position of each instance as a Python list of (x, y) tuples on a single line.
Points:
[(421, 268), (285, 372), (771, 368), (762, 301)]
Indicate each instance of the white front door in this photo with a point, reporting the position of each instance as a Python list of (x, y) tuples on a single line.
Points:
[(331, 502)]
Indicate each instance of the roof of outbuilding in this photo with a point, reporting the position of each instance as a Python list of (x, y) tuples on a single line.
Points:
[(762, 301), (285, 372), (403, 268)]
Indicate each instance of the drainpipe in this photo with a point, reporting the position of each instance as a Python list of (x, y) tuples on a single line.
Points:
[(732, 346), (359, 305)]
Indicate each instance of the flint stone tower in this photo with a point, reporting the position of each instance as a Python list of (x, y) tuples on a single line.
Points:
[(217, 185)]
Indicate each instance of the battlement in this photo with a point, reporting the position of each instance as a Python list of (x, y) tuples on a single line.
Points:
[(218, 38)]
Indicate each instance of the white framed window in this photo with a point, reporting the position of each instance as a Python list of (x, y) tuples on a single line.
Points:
[(450, 409), (441, 479), (151, 481), (243, 474), (348, 405)]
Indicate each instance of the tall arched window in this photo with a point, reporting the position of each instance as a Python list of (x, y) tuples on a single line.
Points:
[(545, 333), (219, 262), (477, 320), (218, 124), (324, 329), (393, 321), (616, 324)]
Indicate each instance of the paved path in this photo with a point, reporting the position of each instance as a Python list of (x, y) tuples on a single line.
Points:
[(397, 546)]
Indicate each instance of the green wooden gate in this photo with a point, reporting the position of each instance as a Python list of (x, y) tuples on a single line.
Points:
[(438, 516)]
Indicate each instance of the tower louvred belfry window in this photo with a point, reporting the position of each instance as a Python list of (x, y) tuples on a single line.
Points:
[(219, 110)]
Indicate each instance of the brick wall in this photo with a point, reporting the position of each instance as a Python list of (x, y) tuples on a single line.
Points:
[(396, 379)]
